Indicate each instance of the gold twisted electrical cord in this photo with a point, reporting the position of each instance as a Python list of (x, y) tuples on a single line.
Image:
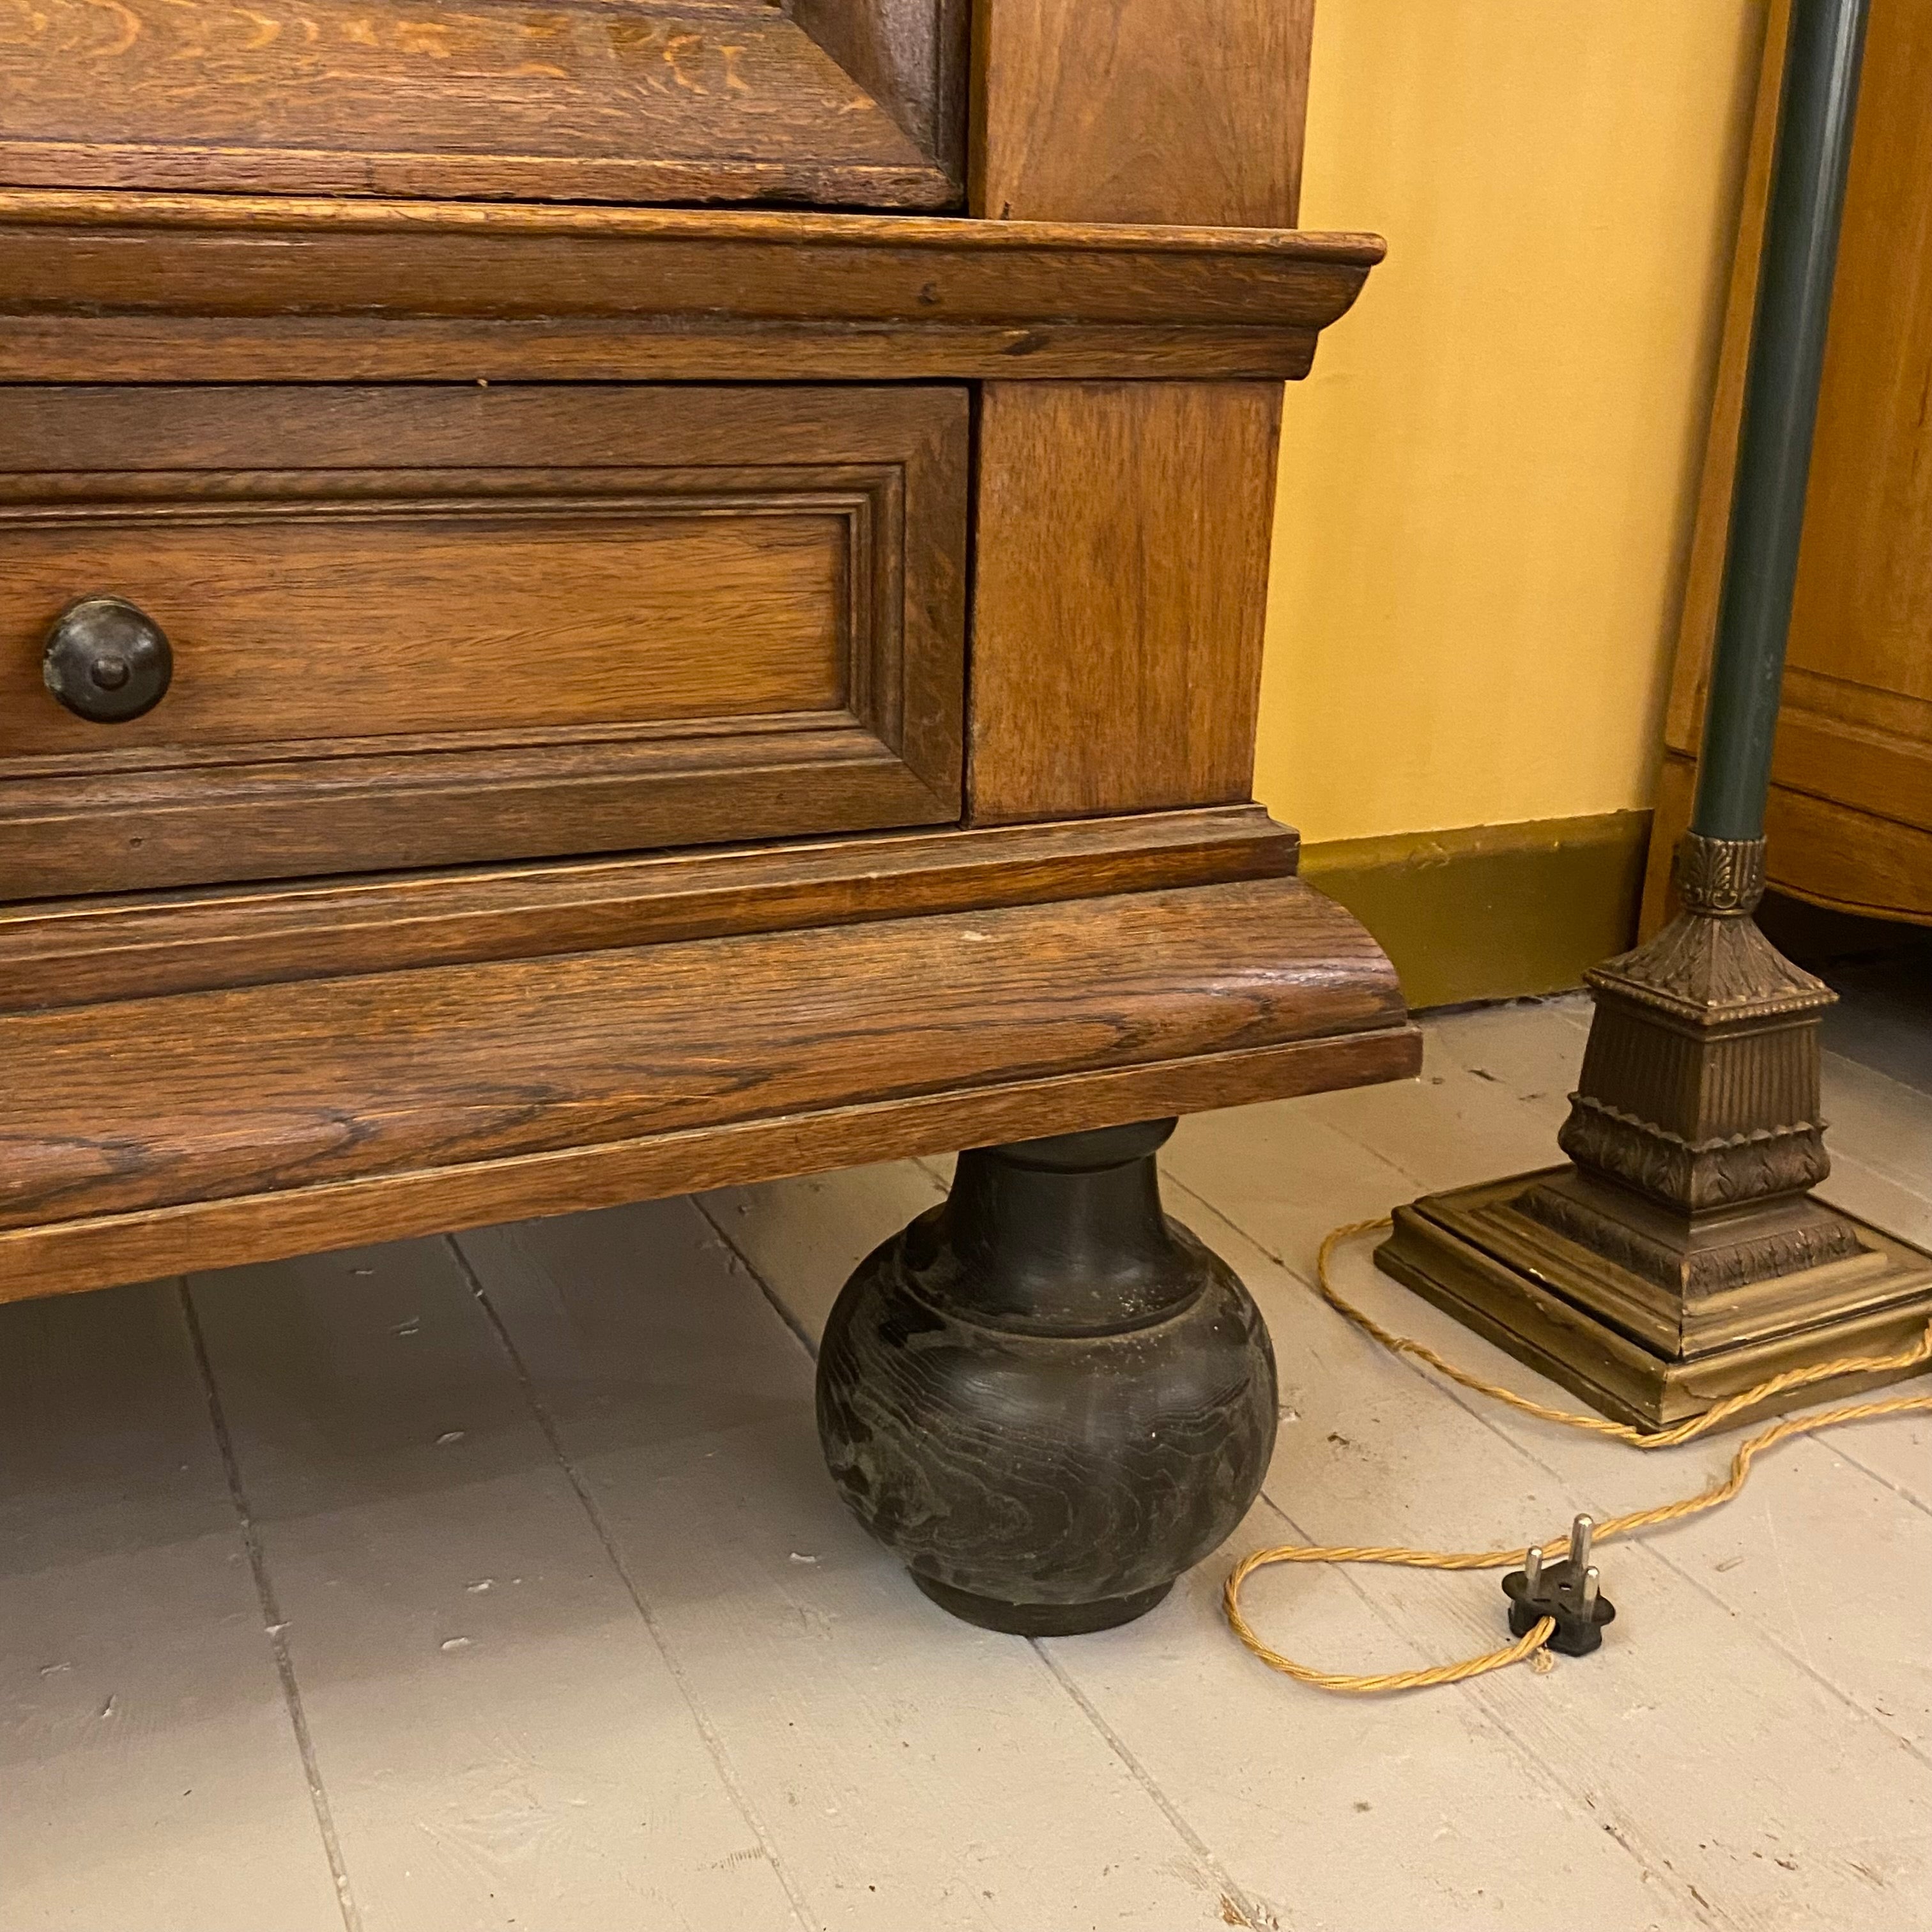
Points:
[(1531, 1644)]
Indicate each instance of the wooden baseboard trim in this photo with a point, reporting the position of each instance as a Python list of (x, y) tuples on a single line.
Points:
[(1492, 912)]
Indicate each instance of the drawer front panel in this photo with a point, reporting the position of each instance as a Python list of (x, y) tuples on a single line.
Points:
[(624, 619), (304, 624)]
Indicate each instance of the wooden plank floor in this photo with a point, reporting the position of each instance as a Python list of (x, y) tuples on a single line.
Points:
[(495, 1583)]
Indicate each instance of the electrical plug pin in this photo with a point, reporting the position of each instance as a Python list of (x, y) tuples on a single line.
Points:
[(1570, 1591)]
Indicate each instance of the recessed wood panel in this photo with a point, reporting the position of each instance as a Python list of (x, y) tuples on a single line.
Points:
[(387, 619), (715, 617), (654, 100)]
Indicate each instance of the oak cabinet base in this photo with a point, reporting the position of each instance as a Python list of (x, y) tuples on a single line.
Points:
[(149, 1135), (639, 722)]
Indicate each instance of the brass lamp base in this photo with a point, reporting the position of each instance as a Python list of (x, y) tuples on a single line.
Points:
[(1681, 1257), (1592, 1325)]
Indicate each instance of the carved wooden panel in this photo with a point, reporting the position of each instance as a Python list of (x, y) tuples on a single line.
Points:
[(718, 616), (859, 104)]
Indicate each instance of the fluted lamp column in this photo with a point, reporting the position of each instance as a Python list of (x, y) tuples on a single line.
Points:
[(1681, 1257)]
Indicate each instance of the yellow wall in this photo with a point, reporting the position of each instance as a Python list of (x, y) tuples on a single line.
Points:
[(1486, 484)]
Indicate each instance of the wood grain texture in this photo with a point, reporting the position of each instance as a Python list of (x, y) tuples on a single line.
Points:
[(534, 1086), (297, 818), (1875, 862), (713, 100), (72, 951), (1836, 856), (701, 428), (1122, 537), (759, 633), (1884, 774), (429, 290), (910, 55), (108, 348), (1864, 606), (67, 1257), (430, 611), (1047, 1427), (1163, 110), (121, 1106), (1851, 776), (1857, 733)]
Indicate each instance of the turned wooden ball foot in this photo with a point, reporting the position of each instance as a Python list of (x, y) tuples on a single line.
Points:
[(1046, 1397)]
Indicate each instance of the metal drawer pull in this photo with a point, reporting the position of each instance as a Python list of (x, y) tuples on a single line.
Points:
[(107, 660)]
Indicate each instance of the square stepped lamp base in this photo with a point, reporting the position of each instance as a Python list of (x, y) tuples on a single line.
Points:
[(1597, 1328)]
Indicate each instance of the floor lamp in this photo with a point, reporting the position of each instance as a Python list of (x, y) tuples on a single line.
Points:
[(1681, 1257)]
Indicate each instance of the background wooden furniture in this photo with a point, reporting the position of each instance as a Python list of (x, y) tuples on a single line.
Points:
[(659, 697), (1850, 816)]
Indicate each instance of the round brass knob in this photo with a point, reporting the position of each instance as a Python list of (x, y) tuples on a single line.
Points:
[(107, 660)]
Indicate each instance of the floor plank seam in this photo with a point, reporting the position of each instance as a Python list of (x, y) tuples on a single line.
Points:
[(1622, 1830), (808, 1920), (744, 1261), (1524, 1448), (1232, 1893), (274, 1625), (1883, 1481), (1481, 1696)]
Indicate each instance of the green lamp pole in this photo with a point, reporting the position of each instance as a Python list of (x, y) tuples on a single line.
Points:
[(1787, 359), (1681, 1257)]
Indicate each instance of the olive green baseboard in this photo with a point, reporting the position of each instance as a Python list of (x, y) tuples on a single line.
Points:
[(1493, 912)]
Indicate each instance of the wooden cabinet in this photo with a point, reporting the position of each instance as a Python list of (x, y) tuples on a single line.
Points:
[(660, 694), (519, 691), (1850, 820)]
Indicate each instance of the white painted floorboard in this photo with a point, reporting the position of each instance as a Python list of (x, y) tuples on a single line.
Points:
[(570, 1632), (149, 1778), (502, 1737), (912, 1772)]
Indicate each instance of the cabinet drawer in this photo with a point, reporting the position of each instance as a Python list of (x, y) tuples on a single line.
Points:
[(415, 627)]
